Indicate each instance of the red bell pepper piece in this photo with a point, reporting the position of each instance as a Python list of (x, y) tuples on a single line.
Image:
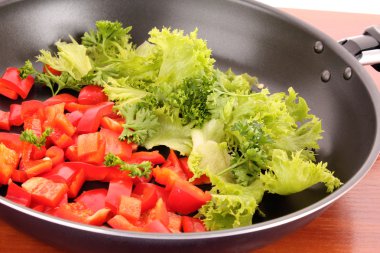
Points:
[(19, 176), (15, 115), (94, 199), (56, 154), (7, 92), (76, 184), (63, 124), (112, 124), (175, 165), (156, 226), (130, 208), (45, 191), (30, 107), (204, 179), (153, 156), (74, 117), (119, 148), (148, 195), (90, 121), (15, 83), (12, 141), (61, 174), (8, 163), (47, 68), (78, 212), (18, 195), (190, 224), (38, 153), (60, 139), (51, 112), (185, 198), (165, 176), (92, 95), (71, 153), (91, 148), (175, 222), (60, 98), (34, 168), (73, 106), (4, 121), (116, 189), (158, 212), (119, 222)]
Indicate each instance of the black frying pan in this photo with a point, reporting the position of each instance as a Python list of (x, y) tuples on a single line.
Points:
[(244, 35)]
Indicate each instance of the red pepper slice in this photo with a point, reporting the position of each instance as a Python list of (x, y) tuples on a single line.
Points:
[(15, 83), (91, 95), (190, 224), (185, 198), (119, 148), (30, 107), (45, 191), (4, 121), (93, 199), (148, 195), (91, 148), (156, 226), (74, 117), (90, 121), (152, 156), (175, 222), (18, 195), (7, 92), (116, 189), (112, 124), (34, 168), (8, 163), (130, 208), (47, 68), (60, 98), (12, 141), (15, 115), (56, 154), (119, 222)]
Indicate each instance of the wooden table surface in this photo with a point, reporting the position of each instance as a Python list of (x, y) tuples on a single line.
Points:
[(351, 225)]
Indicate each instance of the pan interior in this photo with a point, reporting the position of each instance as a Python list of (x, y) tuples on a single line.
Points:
[(245, 38)]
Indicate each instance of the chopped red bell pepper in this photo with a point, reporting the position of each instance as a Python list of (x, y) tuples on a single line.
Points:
[(60, 98), (119, 148), (92, 95), (18, 195), (15, 83), (90, 121), (185, 198), (73, 106), (60, 139), (175, 222), (158, 212), (47, 68), (116, 189), (78, 212), (130, 208), (190, 224), (74, 117), (56, 154), (204, 179), (12, 141), (91, 148), (15, 115), (4, 121), (34, 168), (148, 195), (7, 92), (30, 107), (156, 226), (152, 156), (45, 191), (8, 163), (93, 199), (37, 153), (19, 176), (119, 222), (63, 124), (112, 124)]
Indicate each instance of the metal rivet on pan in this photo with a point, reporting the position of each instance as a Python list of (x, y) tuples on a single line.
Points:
[(325, 76), (318, 47), (347, 74)]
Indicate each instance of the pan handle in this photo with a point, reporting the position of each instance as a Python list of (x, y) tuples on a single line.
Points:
[(366, 47)]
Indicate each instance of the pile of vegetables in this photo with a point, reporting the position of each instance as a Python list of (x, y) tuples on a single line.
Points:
[(222, 129)]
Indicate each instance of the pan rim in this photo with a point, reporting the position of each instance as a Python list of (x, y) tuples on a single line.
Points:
[(280, 221)]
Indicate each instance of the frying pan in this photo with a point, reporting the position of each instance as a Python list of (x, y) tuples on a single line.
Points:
[(248, 37)]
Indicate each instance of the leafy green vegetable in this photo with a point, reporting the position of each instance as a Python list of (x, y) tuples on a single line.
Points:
[(71, 58), (290, 175), (29, 136), (136, 169)]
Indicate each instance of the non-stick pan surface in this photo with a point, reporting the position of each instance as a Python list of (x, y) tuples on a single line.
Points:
[(248, 37)]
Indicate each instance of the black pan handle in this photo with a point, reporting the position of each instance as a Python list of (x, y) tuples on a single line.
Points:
[(366, 47)]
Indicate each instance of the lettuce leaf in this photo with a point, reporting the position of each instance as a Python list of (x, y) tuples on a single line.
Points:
[(287, 175)]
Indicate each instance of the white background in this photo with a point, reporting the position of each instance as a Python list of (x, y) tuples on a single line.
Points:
[(353, 6)]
